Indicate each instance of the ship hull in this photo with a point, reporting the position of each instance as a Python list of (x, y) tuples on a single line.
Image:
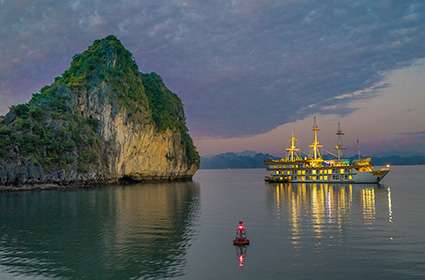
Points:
[(369, 177), (373, 177)]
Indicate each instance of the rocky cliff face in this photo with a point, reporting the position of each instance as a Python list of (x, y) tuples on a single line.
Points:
[(102, 121)]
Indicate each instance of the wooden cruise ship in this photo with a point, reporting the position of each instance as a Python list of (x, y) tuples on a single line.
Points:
[(315, 169)]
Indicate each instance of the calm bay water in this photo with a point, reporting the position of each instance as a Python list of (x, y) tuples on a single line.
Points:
[(184, 230)]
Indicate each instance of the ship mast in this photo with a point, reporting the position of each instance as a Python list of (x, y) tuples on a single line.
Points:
[(315, 146), (292, 150), (339, 145), (358, 148)]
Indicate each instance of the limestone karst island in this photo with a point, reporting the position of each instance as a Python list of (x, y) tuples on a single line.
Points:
[(101, 121)]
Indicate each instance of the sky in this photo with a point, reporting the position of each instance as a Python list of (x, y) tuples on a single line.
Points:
[(247, 71), (387, 119)]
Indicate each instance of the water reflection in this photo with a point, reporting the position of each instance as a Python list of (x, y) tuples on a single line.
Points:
[(314, 208), (390, 206), (368, 204), (139, 231), (241, 255)]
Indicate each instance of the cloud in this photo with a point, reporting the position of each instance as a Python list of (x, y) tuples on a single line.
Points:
[(241, 67), (75, 5)]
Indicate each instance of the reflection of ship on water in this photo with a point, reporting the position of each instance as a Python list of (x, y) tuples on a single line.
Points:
[(318, 207), (110, 233)]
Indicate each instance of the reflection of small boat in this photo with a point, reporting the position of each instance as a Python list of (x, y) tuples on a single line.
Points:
[(241, 254), (241, 239)]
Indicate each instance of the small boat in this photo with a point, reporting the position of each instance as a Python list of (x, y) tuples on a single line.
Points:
[(241, 237)]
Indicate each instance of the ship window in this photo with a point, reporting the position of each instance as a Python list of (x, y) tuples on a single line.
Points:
[(325, 177), (321, 177), (313, 171), (350, 177), (341, 171), (329, 171)]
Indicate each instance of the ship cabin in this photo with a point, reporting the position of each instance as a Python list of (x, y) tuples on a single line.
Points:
[(307, 171)]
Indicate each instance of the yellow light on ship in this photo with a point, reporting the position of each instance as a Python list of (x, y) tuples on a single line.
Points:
[(387, 166)]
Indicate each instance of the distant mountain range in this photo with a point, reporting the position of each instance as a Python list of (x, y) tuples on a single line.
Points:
[(247, 159), (252, 159), (399, 160)]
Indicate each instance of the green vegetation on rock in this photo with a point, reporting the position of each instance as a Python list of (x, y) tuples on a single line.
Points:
[(46, 132), (167, 111)]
